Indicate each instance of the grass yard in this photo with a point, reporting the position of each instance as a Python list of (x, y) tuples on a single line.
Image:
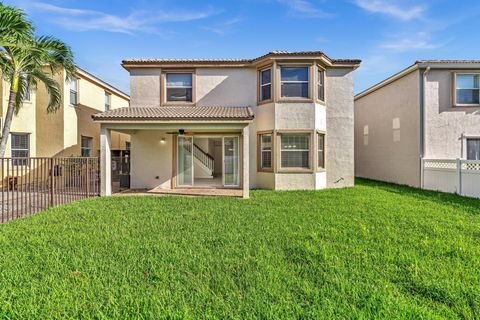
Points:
[(373, 251)]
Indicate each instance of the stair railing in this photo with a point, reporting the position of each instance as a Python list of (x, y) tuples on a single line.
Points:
[(206, 159)]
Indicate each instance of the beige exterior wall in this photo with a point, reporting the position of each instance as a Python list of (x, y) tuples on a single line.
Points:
[(445, 125), (387, 132), (151, 161), (340, 128), (23, 122), (145, 87), (60, 133), (238, 87)]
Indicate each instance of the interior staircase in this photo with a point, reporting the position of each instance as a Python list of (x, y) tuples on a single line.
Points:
[(203, 162)]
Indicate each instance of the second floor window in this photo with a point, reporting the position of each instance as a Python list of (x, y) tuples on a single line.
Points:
[(86, 146), (179, 87), (294, 82), (74, 92), (321, 85), (467, 90), (26, 95), (473, 149), (108, 98), (20, 148), (265, 84)]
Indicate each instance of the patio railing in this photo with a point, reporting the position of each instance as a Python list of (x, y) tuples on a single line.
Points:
[(30, 185)]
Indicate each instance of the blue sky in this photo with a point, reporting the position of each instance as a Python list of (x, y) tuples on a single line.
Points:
[(387, 35)]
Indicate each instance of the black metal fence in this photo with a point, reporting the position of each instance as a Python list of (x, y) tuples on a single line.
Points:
[(29, 185)]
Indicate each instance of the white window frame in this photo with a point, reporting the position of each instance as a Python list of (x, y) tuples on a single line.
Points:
[(262, 151), (321, 134), (108, 102), (466, 144), (178, 87), (89, 148), (261, 99), (308, 82), (320, 84), (455, 103), (15, 160), (309, 150), (75, 92)]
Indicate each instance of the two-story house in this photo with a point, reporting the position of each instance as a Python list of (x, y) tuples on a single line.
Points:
[(428, 111), (70, 131), (280, 121)]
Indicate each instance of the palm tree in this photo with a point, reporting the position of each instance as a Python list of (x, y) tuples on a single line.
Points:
[(26, 61)]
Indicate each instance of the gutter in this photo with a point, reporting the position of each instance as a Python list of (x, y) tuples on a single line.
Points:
[(423, 81)]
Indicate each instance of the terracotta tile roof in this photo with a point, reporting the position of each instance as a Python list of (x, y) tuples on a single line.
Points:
[(448, 61), (241, 61), (168, 113)]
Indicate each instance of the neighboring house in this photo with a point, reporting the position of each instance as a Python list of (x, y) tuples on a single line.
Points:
[(70, 131), (410, 123), (280, 121)]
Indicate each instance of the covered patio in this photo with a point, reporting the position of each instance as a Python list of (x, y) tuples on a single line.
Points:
[(170, 149)]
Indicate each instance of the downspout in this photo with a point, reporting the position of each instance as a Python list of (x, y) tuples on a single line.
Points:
[(423, 99)]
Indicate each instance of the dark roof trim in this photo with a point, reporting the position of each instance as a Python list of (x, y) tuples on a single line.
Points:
[(176, 113), (127, 63)]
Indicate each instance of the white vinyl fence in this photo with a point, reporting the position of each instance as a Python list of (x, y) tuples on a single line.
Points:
[(454, 176)]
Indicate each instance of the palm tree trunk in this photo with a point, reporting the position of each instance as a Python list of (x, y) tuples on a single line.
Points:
[(9, 116)]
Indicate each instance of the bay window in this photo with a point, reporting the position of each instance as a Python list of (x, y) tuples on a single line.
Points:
[(295, 150), (321, 150), (179, 87), (321, 85), (265, 85), (294, 82), (266, 151), (467, 89)]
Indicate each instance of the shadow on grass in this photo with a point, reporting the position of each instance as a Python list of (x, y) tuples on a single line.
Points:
[(471, 204)]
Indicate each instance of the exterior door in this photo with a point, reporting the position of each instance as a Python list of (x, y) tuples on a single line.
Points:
[(231, 161), (185, 161)]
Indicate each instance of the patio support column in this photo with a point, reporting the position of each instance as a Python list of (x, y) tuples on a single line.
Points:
[(246, 161), (105, 163)]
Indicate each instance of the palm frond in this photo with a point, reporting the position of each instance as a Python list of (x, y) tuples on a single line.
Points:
[(14, 25), (57, 54), (51, 86)]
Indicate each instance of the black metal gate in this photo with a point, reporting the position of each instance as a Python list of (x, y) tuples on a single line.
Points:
[(120, 173)]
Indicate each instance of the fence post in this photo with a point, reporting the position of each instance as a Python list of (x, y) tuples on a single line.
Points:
[(88, 177), (51, 182), (459, 177)]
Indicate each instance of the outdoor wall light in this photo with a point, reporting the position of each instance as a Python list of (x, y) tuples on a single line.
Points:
[(162, 141)]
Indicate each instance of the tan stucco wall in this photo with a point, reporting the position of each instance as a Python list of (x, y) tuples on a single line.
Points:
[(23, 122), (145, 87), (60, 133), (445, 124), (339, 120), (151, 159), (226, 87), (238, 87), (391, 149)]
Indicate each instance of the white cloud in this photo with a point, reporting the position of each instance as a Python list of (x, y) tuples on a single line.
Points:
[(304, 8), (224, 27), (136, 21), (391, 9), (414, 42)]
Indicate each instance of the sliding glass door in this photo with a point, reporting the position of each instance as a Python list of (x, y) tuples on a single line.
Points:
[(185, 161), (231, 161)]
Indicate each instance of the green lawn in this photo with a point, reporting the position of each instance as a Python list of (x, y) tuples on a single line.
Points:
[(373, 251)]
